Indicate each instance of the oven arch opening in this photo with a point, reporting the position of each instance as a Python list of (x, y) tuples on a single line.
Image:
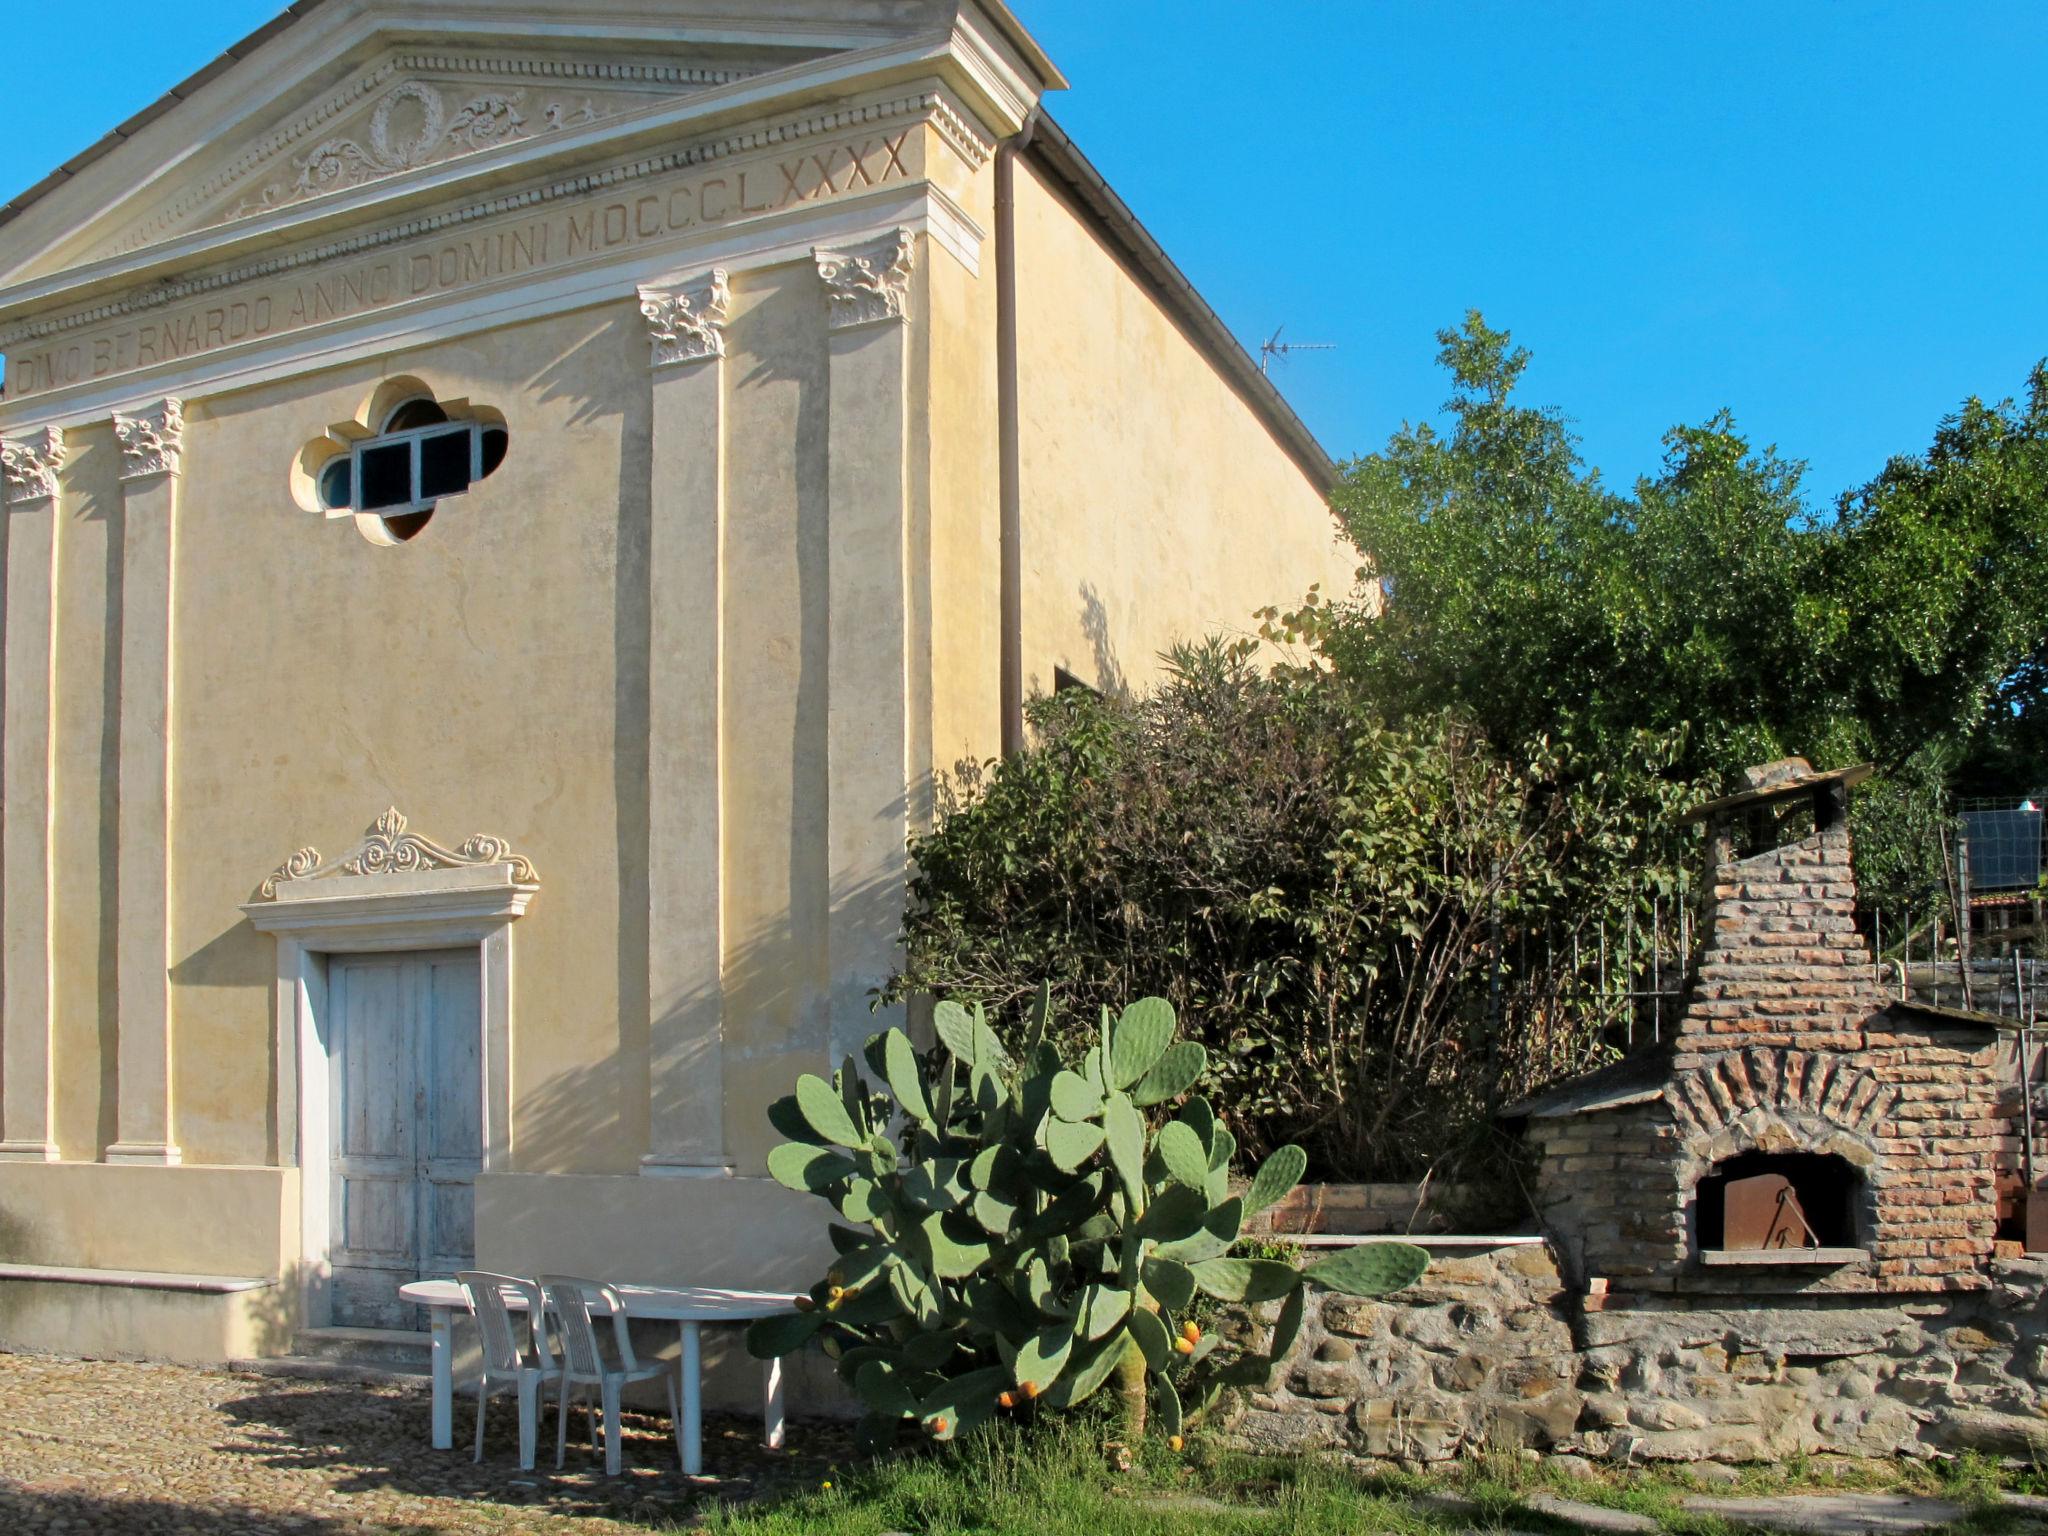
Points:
[(1760, 1202)]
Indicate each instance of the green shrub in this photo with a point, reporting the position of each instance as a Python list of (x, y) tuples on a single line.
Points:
[(1025, 1237), (1328, 900)]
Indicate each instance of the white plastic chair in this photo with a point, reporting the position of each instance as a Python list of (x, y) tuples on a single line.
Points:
[(515, 1351), (584, 1364)]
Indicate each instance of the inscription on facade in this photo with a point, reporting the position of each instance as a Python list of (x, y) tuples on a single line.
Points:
[(505, 248)]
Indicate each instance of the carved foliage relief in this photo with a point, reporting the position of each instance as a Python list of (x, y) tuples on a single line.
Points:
[(871, 284), (687, 324), (29, 465), (152, 443)]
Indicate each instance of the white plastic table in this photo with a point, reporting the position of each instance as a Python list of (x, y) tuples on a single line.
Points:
[(689, 1306)]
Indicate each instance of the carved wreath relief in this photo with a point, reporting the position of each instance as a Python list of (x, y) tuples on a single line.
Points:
[(414, 126), (387, 848)]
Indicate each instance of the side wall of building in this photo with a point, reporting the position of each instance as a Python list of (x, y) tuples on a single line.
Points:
[(1158, 505)]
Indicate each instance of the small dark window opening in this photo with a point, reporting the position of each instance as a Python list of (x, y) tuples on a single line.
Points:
[(1763, 1201), (386, 475), (1064, 681), (414, 414)]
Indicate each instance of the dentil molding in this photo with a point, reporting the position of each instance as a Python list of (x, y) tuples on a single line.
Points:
[(687, 324), (152, 443), (30, 466), (870, 284), (388, 848)]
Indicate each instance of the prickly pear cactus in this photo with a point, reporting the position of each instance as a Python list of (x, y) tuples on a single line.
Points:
[(1017, 1231)]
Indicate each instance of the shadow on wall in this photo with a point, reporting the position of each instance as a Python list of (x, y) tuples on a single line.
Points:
[(1109, 672), (112, 511), (556, 1124), (15, 1239), (274, 1314), (239, 959)]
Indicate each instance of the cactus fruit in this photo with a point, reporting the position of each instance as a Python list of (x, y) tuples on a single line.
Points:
[(1015, 1231)]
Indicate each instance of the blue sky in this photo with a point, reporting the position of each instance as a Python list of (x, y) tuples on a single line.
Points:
[(1828, 217)]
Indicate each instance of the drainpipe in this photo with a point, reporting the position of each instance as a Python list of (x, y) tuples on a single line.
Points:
[(1009, 443)]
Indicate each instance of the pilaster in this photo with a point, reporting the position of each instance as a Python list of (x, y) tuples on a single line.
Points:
[(30, 491), (151, 446), (868, 291), (685, 948)]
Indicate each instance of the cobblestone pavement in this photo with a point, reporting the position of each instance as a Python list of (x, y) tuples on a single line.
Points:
[(91, 1448)]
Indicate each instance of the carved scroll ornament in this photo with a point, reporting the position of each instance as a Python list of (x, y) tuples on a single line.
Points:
[(30, 464), (687, 324), (869, 285), (387, 848)]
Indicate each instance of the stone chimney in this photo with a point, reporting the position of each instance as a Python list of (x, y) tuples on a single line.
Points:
[(1786, 967)]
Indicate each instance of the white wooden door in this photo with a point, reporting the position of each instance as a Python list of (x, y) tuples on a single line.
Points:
[(407, 1079)]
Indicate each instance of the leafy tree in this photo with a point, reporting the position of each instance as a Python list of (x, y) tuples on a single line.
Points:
[(1710, 602)]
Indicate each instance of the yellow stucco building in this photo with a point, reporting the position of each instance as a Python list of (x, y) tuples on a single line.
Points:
[(506, 511)]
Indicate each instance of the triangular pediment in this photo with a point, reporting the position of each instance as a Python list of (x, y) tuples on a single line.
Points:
[(338, 103), (408, 111)]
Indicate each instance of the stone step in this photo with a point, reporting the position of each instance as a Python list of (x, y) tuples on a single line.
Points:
[(307, 1368), (384, 1349)]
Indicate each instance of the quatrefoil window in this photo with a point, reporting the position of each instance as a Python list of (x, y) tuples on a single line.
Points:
[(404, 456)]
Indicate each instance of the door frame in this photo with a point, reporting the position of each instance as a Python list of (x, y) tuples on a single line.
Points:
[(456, 907)]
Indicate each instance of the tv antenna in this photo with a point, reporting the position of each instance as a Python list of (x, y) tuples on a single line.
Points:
[(1274, 347)]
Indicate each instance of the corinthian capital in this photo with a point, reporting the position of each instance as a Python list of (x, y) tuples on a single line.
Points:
[(871, 283), (152, 443), (687, 324), (30, 464)]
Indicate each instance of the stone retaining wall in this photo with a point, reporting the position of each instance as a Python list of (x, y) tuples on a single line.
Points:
[(1491, 1349)]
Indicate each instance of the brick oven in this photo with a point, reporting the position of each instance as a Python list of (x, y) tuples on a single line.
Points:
[(1800, 1130)]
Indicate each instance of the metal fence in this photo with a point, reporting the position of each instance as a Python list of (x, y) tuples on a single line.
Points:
[(1576, 997)]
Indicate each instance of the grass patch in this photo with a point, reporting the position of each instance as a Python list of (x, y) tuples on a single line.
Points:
[(1058, 1479)]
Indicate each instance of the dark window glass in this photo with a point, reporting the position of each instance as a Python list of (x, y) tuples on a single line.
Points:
[(496, 441), (444, 463), (387, 476), (338, 484), (415, 413)]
